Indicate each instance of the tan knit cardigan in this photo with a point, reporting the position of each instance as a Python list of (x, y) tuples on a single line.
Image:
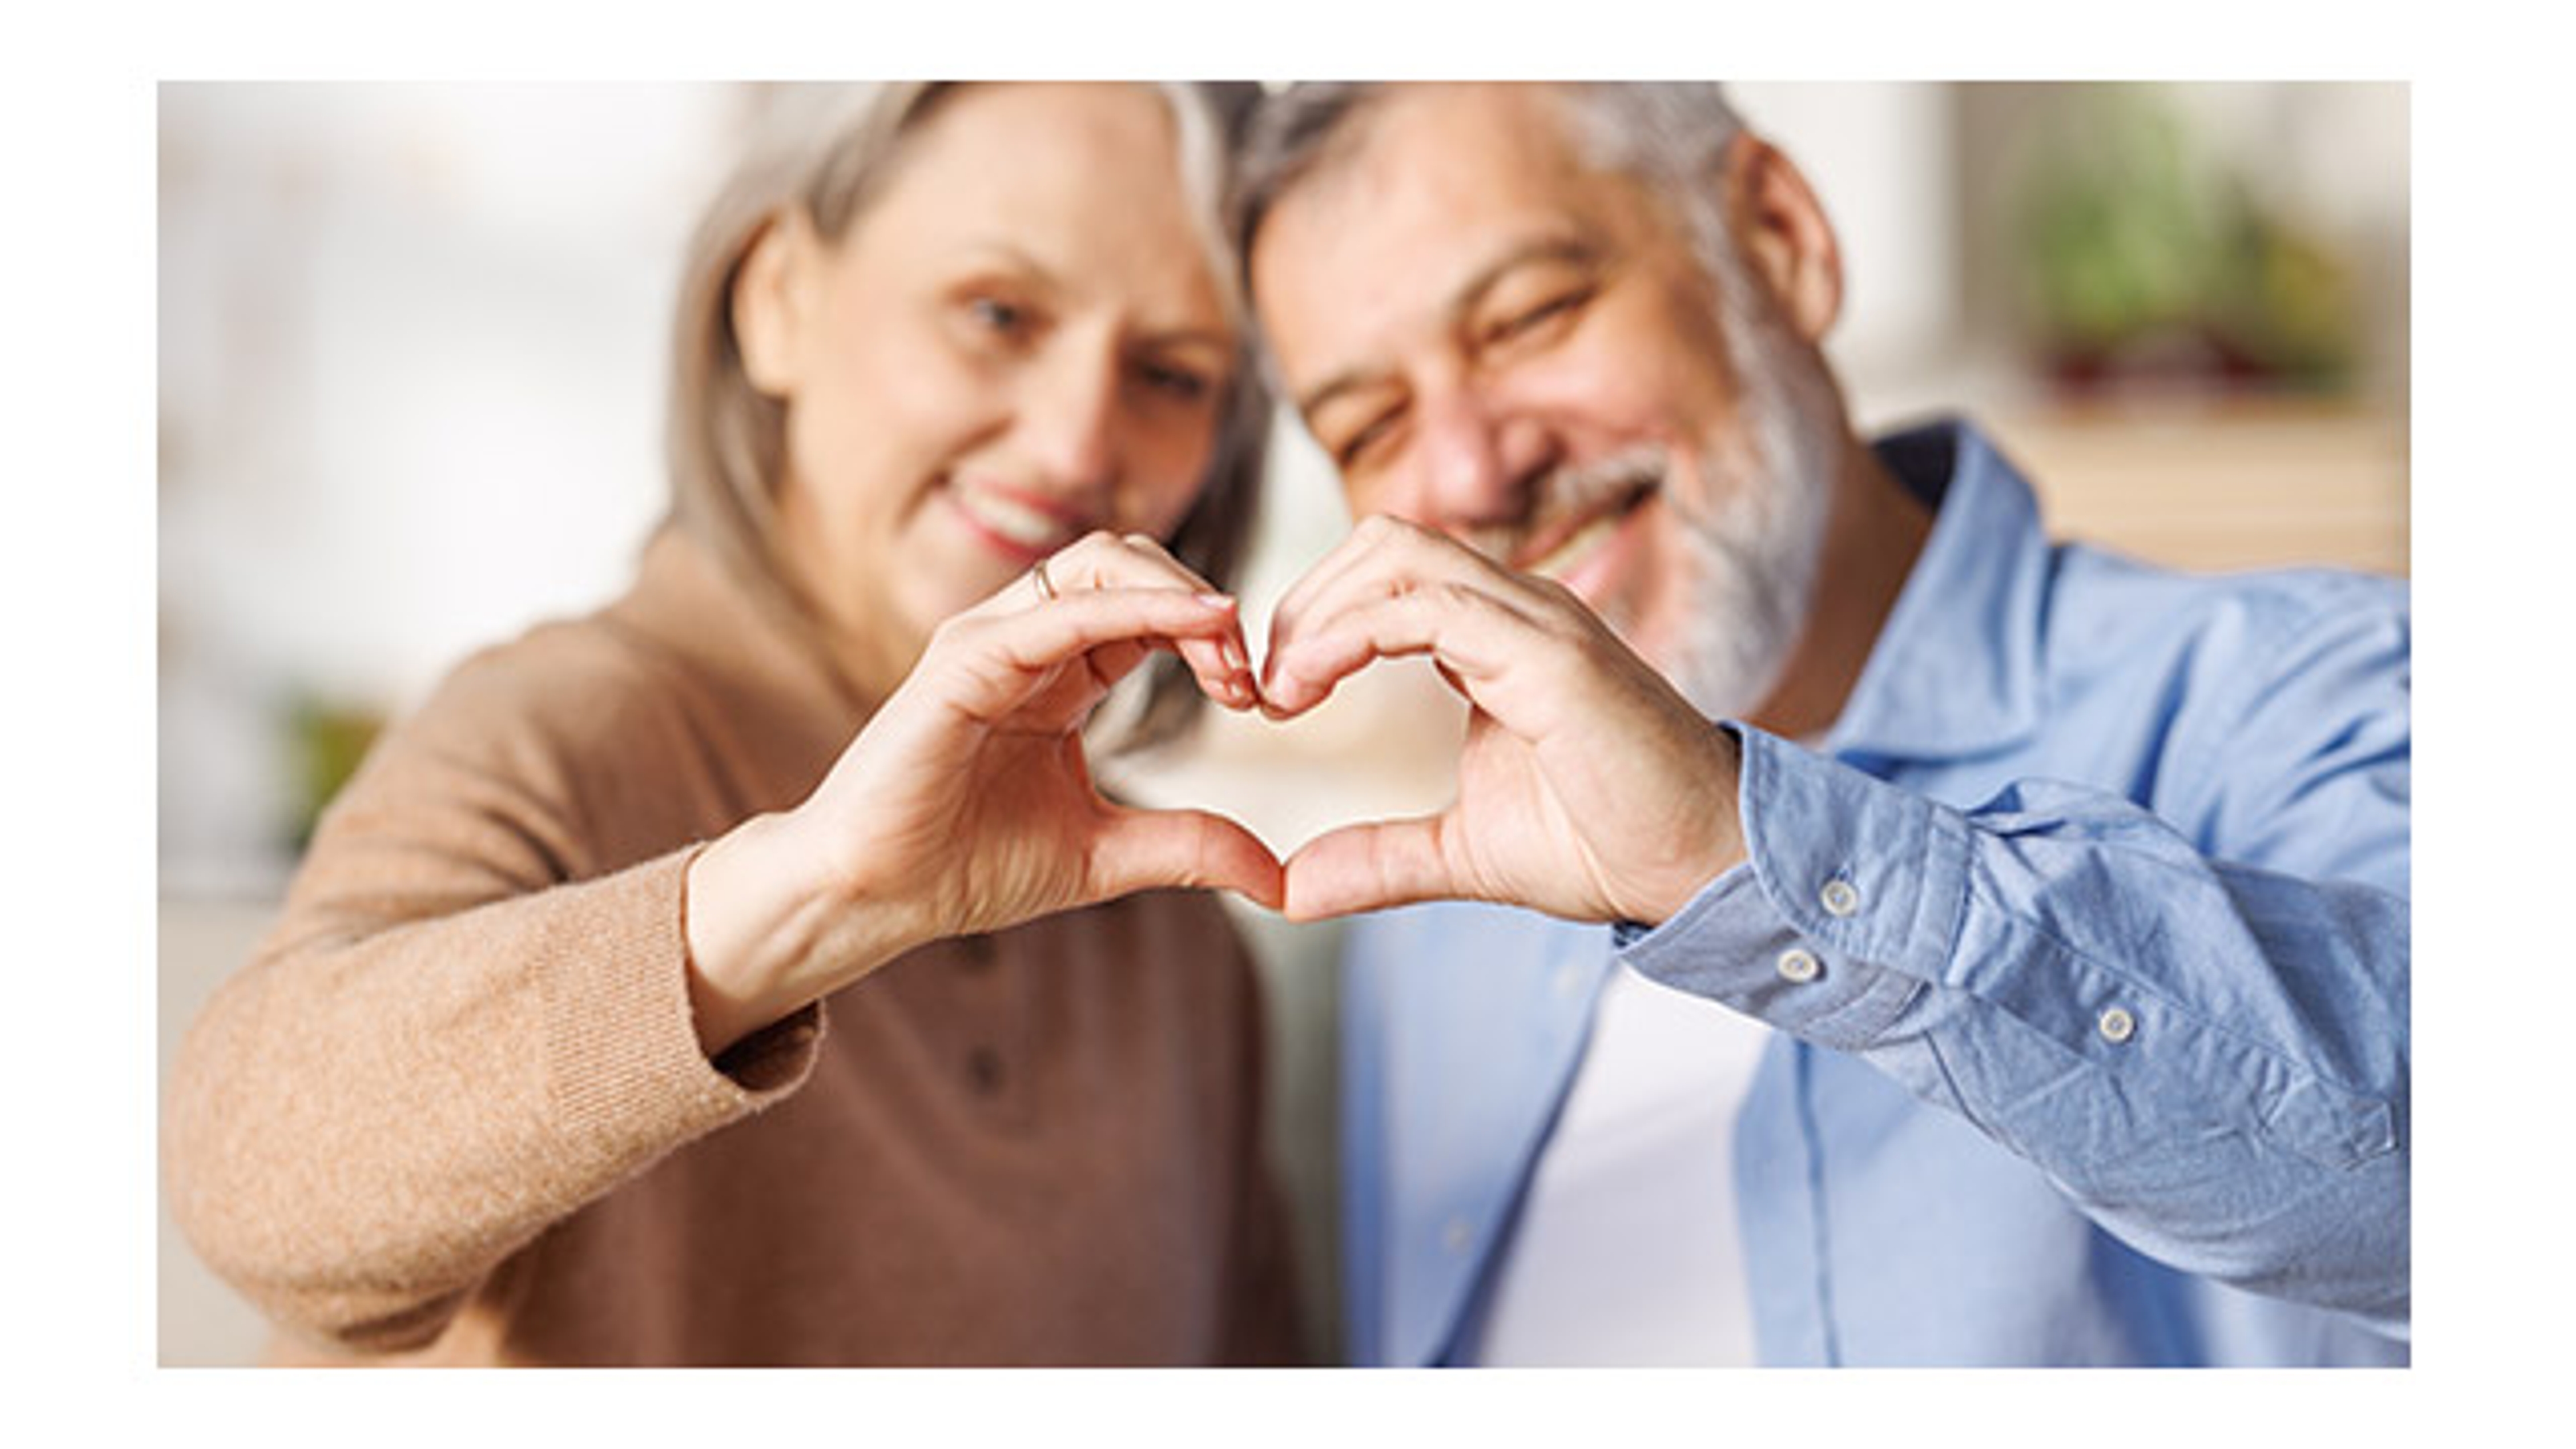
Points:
[(454, 1111)]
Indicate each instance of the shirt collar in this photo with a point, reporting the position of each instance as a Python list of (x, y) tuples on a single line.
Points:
[(1956, 669)]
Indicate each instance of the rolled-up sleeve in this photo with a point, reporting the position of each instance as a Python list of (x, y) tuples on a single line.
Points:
[(2211, 1060)]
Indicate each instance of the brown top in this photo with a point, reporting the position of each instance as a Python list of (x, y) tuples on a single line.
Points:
[(455, 1110)]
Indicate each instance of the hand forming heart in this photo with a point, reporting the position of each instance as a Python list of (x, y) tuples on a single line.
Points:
[(1587, 787)]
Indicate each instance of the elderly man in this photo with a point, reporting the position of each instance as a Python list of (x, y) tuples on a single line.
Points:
[(1964, 949)]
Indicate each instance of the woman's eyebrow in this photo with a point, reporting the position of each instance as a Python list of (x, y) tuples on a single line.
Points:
[(1190, 336), (1011, 256)]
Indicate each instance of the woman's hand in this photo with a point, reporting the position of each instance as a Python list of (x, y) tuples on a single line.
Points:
[(966, 805)]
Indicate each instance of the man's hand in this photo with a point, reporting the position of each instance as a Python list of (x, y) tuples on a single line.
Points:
[(1587, 787)]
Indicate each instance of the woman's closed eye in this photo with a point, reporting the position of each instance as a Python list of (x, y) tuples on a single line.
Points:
[(1176, 382)]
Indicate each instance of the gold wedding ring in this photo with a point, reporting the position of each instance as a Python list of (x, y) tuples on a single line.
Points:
[(1046, 586)]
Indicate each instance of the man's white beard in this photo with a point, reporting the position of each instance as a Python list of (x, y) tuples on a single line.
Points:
[(1754, 533)]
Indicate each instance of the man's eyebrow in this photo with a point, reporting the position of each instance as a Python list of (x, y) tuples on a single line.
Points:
[(1348, 380), (1549, 248), (1571, 250)]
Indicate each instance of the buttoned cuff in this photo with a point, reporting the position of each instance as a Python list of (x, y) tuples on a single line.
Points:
[(1843, 912)]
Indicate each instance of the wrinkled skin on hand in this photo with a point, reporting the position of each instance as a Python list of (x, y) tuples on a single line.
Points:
[(1588, 788)]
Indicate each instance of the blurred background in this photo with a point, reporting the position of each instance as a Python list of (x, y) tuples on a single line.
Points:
[(411, 360)]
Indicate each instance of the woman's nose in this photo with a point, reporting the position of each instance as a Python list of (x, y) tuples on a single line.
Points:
[(1069, 422)]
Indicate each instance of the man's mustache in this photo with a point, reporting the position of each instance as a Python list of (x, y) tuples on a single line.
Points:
[(1569, 493)]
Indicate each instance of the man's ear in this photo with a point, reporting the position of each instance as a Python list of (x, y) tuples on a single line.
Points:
[(1781, 229), (774, 301)]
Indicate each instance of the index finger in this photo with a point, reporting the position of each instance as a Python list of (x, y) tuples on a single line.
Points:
[(1103, 560), (1385, 558), (993, 664), (1472, 634)]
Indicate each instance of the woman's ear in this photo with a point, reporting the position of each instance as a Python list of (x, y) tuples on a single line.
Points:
[(1782, 231), (774, 300)]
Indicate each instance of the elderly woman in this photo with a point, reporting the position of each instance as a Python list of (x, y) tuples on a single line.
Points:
[(751, 972)]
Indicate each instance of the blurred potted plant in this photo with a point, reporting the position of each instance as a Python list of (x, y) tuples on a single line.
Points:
[(2148, 262), (326, 740)]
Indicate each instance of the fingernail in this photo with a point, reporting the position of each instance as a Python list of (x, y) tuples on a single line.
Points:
[(1217, 601), (1233, 653)]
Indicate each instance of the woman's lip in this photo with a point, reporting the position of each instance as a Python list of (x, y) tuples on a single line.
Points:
[(1021, 555), (1068, 516), (990, 512)]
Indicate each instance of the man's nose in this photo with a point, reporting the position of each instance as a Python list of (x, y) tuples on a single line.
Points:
[(1476, 465)]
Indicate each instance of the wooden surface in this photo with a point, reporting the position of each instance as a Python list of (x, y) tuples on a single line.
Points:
[(2221, 485)]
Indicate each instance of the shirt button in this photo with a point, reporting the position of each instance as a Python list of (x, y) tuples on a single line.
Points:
[(1840, 897), (1456, 1234), (1800, 965), (2117, 1025)]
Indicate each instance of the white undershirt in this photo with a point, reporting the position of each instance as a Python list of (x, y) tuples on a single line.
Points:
[(1626, 1251)]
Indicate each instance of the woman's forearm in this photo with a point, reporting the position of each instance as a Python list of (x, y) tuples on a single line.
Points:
[(769, 930)]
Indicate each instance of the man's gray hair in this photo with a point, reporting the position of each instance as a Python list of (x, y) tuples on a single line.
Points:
[(1669, 136), (1758, 544)]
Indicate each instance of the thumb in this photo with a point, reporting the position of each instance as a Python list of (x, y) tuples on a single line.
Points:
[(1149, 849), (1367, 867)]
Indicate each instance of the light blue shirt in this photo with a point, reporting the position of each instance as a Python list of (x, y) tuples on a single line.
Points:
[(2085, 933)]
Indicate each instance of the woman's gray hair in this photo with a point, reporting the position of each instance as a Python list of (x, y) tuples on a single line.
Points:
[(828, 148)]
